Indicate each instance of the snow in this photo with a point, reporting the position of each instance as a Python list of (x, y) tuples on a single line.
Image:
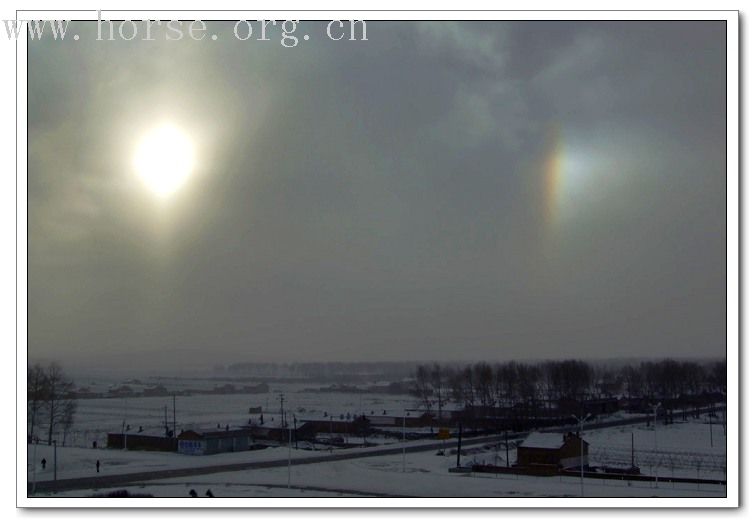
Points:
[(96, 417), (683, 449), (74, 462), (426, 475)]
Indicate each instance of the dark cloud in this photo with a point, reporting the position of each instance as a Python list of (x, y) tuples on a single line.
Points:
[(383, 199)]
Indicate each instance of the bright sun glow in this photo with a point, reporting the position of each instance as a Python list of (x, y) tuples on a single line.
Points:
[(164, 159)]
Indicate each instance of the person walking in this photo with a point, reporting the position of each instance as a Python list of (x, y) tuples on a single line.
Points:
[(98, 466)]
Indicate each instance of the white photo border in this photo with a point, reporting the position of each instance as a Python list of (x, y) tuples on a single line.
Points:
[(731, 18)]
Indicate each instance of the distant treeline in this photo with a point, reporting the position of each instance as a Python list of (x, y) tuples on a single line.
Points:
[(514, 383), (337, 371)]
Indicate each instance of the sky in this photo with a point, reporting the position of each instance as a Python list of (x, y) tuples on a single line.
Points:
[(441, 191)]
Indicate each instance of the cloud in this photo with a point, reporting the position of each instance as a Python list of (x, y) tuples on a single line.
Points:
[(383, 199), (465, 44)]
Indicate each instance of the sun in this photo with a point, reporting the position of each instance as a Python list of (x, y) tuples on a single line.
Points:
[(164, 159)]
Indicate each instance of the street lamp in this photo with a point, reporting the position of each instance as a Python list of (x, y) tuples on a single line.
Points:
[(655, 438), (581, 421)]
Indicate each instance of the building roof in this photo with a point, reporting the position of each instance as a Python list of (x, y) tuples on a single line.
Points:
[(213, 433), (544, 441), (549, 440)]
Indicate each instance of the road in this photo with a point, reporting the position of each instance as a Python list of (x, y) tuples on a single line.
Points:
[(139, 477)]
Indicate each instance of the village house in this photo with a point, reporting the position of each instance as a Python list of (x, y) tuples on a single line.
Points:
[(211, 441), (553, 449)]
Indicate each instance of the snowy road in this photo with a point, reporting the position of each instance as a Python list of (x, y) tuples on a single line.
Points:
[(130, 478)]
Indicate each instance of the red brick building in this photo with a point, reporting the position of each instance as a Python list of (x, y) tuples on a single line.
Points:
[(553, 449)]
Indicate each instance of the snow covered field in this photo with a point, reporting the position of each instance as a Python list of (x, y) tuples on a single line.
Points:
[(96, 417), (683, 449)]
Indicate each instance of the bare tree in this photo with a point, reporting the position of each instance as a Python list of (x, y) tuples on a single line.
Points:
[(422, 389), (718, 376), (68, 411), (466, 376), (631, 378), (36, 396), (439, 380), (528, 378), (505, 383), (58, 399), (483, 384)]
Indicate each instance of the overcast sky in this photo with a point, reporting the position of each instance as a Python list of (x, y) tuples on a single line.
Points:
[(444, 190)]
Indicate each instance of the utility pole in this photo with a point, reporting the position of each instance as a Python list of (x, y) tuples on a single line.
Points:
[(289, 457), (506, 439), (458, 448), (125, 425), (296, 440), (403, 445), (175, 433), (710, 426), (655, 438), (632, 449), (581, 462), (581, 422), (283, 419), (165, 419), (495, 460), (55, 461)]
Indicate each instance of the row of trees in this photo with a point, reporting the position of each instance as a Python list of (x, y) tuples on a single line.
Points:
[(511, 383), (669, 378), (50, 405)]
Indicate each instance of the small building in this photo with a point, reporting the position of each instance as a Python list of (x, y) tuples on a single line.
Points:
[(270, 432), (209, 442), (553, 449), (139, 441)]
